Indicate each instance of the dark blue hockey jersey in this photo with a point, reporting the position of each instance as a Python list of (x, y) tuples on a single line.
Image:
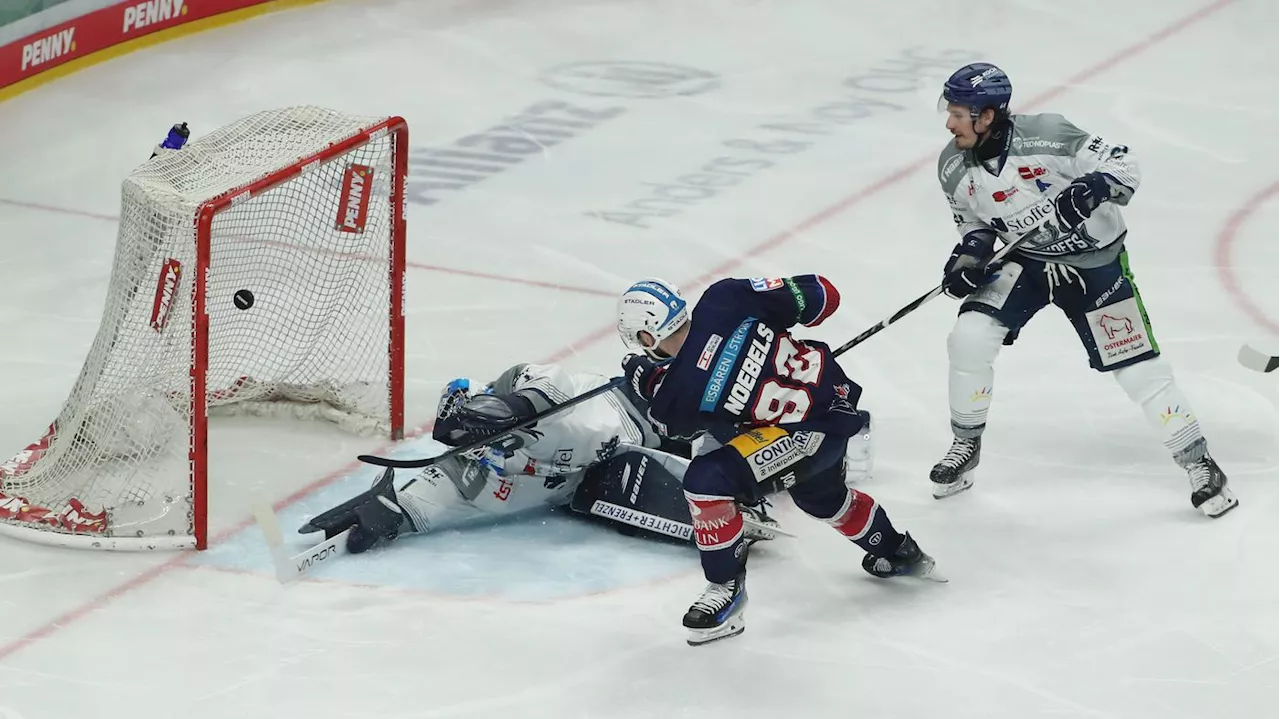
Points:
[(741, 368)]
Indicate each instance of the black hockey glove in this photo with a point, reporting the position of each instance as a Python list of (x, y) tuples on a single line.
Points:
[(643, 376), (1077, 202), (964, 272)]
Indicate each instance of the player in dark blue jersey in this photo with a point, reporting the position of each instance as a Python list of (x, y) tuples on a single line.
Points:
[(774, 413)]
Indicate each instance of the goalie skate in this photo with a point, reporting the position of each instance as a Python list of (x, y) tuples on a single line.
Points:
[(718, 613), (758, 526), (953, 474)]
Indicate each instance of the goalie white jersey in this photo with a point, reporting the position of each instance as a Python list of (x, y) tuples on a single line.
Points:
[(1045, 153), (550, 465)]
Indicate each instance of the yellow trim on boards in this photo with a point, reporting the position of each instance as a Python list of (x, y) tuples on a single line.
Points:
[(155, 38)]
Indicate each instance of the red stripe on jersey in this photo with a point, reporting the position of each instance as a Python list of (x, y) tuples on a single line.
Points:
[(856, 517), (830, 302)]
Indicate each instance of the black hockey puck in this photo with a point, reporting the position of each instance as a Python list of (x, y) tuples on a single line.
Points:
[(243, 299)]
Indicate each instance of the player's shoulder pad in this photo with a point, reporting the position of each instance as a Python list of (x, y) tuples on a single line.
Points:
[(1046, 134), (950, 165)]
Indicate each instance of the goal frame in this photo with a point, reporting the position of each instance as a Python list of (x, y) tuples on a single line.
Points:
[(198, 425), (199, 449)]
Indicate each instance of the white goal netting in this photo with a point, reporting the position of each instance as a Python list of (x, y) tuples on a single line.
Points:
[(301, 297)]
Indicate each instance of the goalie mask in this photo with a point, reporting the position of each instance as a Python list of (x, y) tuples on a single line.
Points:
[(654, 306)]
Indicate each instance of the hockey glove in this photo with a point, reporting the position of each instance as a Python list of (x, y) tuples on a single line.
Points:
[(1077, 202), (643, 375), (965, 272)]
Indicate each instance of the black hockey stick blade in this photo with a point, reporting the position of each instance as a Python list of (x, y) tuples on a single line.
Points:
[(492, 439), (1258, 361)]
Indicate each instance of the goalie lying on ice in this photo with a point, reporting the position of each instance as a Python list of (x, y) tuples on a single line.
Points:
[(601, 458)]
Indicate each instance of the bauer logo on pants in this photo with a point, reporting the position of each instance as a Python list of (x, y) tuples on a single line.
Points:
[(353, 206), (1119, 331)]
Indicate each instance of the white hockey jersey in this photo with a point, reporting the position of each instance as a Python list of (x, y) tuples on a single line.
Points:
[(1045, 153), (575, 438), (546, 470)]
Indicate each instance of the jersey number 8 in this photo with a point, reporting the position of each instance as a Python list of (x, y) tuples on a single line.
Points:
[(786, 398)]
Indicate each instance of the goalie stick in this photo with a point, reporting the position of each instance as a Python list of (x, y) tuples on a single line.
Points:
[(294, 566), (1256, 360)]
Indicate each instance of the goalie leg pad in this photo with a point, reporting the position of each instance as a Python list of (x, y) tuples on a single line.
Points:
[(638, 488)]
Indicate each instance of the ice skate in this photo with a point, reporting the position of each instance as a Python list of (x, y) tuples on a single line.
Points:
[(1209, 491), (908, 560), (718, 613), (953, 474), (757, 525)]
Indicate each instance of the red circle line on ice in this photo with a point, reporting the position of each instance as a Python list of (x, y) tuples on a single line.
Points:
[(1223, 250)]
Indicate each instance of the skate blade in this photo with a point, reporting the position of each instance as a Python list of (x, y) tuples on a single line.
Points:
[(942, 491), (758, 531), (1220, 504), (731, 628), (929, 572)]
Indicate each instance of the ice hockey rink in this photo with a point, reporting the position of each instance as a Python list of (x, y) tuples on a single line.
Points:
[(1083, 584)]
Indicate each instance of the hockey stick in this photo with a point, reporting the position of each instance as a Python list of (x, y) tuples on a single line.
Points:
[(915, 304), (1256, 360), (491, 439), (289, 568)]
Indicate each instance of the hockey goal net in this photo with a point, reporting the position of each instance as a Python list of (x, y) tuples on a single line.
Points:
[(258, 270)]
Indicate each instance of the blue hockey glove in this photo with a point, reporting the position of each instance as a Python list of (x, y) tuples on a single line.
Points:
[(643, 375), (1078, 200)]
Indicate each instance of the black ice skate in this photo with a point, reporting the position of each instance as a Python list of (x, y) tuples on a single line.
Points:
[(718, 613), (953, 474), (908, 560), (1209, 492)]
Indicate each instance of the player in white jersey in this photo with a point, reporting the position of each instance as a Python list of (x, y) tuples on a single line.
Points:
[(1041, 178), (601, 458)]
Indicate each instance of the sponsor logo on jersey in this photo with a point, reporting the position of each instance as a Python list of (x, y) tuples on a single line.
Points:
[(166, 289), (951, 166), (140, 15), (1002, 195), (353, 204), (797, 293), (775, 457), (503, 492), (564, 460), (709, 352), (1036, 143), (749, 373), (764, 284), (48, 48), (1042, 186), (724, 365), (1029, 218), (1030, 173)]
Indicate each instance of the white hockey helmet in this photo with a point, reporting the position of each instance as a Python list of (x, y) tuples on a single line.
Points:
[(654, 306)]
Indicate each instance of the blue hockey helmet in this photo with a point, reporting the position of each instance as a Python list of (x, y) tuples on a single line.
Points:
[(978, 86)]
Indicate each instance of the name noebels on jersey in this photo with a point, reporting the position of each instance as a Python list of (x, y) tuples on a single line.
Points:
[(749, 373)]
